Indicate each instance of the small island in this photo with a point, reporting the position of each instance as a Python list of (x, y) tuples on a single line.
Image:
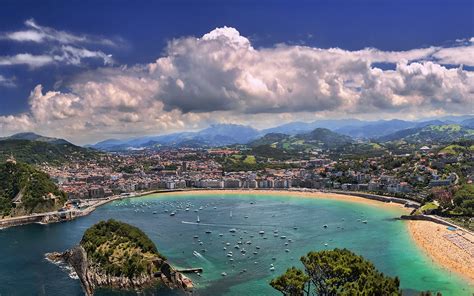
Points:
[(116, 255)]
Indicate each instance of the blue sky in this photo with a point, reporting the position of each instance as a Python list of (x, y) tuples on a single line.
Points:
[(102, 37)]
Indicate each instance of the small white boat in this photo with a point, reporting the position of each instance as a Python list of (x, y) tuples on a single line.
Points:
[(283, 237), (325, 226), (261, 232), (172, 214), (198, 220), (223, 274), (232, 230), (287, 250), (237, 246), (208, 231), (220, 234)]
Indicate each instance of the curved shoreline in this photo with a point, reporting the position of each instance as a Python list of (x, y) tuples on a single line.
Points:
[(425, 234), (430, 238)]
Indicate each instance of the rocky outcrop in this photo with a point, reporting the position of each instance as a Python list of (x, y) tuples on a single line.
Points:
[(92, 277)]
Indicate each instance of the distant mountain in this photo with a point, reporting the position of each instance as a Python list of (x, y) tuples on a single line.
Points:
[(325, 138), (468, 123), (36, 149), (376, 129), (317, 138), (431, 134), (35, 137), (228, 134), (269, 139), (298, 127), (213, 136)]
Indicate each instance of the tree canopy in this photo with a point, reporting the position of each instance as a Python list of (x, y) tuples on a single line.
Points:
[(119, 249), (32, 184), (292, 282), (336, 272)]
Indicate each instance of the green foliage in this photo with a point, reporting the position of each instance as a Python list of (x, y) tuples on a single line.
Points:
[(35, 152), (464, 200), (291, 283), (33, 185), (266, 151), (119, 249), (339, 272)]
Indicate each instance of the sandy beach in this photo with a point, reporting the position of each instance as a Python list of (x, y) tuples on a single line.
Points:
[(431, 238)]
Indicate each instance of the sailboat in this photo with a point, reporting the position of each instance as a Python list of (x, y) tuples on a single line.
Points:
[(198, 220), (231, 214)]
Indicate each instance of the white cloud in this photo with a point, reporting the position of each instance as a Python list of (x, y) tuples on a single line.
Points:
[(222, 77), (74, 56), (26, 59), (40, 34), (456, 55), (6, 82), (59, 47)]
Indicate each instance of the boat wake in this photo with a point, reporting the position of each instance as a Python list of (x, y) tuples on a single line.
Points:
[(197, 254)]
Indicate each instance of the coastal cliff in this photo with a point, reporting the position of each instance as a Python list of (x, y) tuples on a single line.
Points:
[(117, 255)]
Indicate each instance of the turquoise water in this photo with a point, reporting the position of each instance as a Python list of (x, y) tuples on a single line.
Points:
[(383, 240)]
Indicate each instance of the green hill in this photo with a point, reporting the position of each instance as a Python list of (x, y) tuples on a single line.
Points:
[(325, 138), (270, 139), (118, 249), (431, 134), (38, 152), (25, 190), (319, 138)]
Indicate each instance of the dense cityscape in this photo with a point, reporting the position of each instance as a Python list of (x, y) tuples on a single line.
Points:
[(295, 148)]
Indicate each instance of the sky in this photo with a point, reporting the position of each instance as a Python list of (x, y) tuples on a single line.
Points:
[(91, 70)]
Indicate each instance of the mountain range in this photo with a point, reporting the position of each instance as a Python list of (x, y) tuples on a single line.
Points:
[(228, 134)]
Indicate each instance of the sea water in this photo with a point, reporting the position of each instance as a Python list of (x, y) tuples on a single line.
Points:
[(291, 226)]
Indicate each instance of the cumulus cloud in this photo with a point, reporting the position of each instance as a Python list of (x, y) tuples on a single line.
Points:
[(222, 77)]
